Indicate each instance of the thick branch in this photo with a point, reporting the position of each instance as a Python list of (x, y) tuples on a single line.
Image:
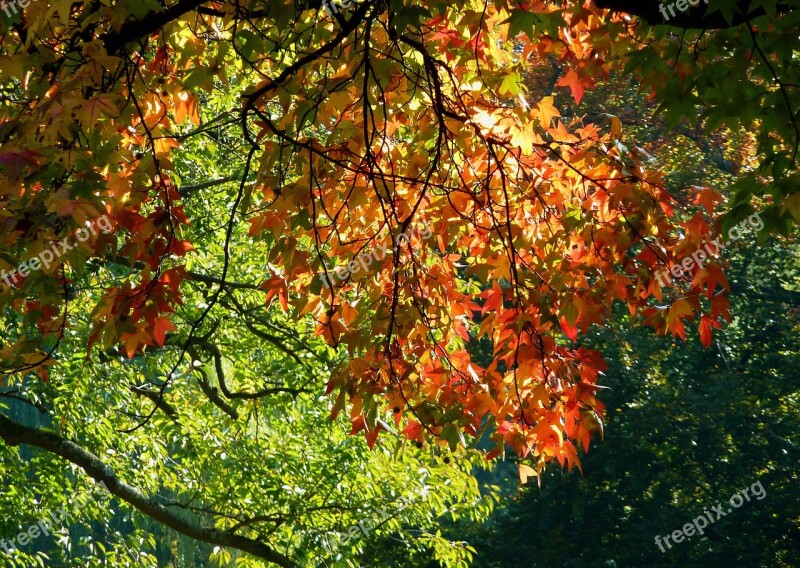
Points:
[(151, 23), (216, 355), (214, 397), (15, 434)]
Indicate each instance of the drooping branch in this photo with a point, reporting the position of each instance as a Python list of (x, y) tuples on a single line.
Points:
[(15, 434), (693, 18), (214, 397), (216, 355)]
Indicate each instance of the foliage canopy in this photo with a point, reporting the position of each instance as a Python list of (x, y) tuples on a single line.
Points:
[(250, 155)]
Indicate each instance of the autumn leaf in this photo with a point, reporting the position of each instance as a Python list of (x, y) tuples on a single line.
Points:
[(704, 328), (96, 108), (160, 328), (526, 472), (679, 310), (572, 80), (14, 162)]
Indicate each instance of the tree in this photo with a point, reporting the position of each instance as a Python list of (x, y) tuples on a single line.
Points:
[(686, 427), (372, 175)]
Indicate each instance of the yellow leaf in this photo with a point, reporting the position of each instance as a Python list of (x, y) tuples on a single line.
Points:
[(616, 127), (526, 471), (94, 109), (546, 112)]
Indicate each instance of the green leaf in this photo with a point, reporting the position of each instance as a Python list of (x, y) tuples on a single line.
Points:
[(521, 21)]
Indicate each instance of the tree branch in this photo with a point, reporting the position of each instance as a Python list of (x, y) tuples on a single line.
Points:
[(216, 355), (348, 27), (151, 23), (159, 401), (213, 396), (187, 190), (15, 434), (207, 279)]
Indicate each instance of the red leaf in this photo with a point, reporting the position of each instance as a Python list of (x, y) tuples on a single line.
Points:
[(180, 248), (413, 431), (570, 331), (705, 331), (679, 310), (708, 198), (573, 81), (162, 325)]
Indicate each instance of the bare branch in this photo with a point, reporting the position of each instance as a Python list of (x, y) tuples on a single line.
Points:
[(216, 355)]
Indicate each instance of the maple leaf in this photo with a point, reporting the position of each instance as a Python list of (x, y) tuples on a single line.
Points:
[(715, 277), (546, 112), (95, 108), (133, 341), (704, 327), (413, 430), (570, 330), (160, 327), (14, 162), (708, 198), (526, 472), (276, 286), (572, 80), (679, 310)]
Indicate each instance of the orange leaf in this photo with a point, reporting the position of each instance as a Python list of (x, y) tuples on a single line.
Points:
[(573, 81)]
